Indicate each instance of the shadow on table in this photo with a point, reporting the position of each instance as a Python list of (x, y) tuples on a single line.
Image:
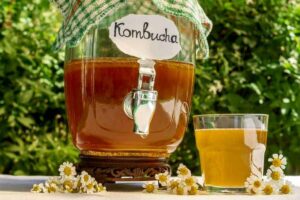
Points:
[(24, 184), (19, 183), (121, 187)]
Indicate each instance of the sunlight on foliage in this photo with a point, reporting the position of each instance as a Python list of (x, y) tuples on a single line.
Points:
[(253, 67)]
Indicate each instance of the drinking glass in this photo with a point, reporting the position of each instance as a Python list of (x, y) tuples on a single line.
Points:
[(231, 148)]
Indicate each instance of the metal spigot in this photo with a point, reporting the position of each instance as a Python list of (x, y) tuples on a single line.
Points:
[(140, 103)]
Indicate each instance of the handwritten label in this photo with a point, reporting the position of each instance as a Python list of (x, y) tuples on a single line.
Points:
[(146, 36)]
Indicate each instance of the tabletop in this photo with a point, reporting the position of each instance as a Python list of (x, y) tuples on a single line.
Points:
[(18, 188)]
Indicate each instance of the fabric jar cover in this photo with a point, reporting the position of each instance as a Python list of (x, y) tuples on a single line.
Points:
[(81, 15)]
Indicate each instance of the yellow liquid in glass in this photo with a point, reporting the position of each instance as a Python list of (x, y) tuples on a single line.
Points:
[(229, 156)]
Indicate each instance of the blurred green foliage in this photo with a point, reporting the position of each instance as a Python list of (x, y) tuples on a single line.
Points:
[(33, 131), (254, 67)]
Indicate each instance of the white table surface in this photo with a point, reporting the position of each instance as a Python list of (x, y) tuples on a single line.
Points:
[(18, 188)]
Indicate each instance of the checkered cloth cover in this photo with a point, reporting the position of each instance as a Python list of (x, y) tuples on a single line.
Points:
[(81, 15)]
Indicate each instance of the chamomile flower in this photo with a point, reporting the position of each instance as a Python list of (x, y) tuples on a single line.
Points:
[(163, 178), (275, 174), (253, 184), (150, 187), (85, 178), (51, 187), (89, 188), (100, 188), (193, 190), (286, 188), (181, 190), (37, 188), (68, 184), (278, 161), (56, 180), (269, 188), (172, 185), (189, 182), (67, 169), (183, 171)]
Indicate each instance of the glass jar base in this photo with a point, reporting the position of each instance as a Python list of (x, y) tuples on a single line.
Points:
[(225, 190)]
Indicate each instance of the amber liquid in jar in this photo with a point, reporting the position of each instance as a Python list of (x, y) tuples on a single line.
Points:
[(95, 90)]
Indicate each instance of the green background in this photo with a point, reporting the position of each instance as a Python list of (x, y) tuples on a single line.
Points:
[(254, 67)]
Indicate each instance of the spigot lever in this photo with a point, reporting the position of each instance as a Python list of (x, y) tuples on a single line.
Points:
[(140, 104)]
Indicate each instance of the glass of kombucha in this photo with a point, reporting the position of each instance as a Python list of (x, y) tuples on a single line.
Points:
[(231, 148)]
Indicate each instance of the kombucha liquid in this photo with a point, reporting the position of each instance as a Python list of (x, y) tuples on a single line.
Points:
[(229, 156), (95, 90)]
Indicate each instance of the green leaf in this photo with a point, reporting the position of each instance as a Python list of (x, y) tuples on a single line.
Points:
[(2, 110), (26, 121)]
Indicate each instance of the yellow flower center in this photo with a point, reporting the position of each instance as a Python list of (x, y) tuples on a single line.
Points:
[(268, 190), (275, 176), (174, 184), (276, 162), (67, 171), (100, 188), (163, 178), (285, 189), (257, 183), (51, 189), (189, 181), (86, 178), (180, 191), (193, 191), (90, 186), (183, 171), (150, 188), (68, 184), (35, 188)]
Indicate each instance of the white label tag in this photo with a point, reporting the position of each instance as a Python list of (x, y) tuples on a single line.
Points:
[(146, 36)]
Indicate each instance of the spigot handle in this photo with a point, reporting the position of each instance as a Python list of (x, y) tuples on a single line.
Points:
[(140, 104), (146, 70)]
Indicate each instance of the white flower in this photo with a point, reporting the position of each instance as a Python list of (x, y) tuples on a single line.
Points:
[(67, 169), (56, 180), (254, 184), (189, 182), (278, 161), (85, 178), (89, 188), (68, 184), (183, 171), (100, 188), (163, 178), (37, 188), (269, 188), (181, 189), (172, 185), (286, 188), (51, 187), (193, 190), (275, 174), (150, 187)]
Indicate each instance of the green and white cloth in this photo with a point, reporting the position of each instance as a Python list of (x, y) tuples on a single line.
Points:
[(81, 15)]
